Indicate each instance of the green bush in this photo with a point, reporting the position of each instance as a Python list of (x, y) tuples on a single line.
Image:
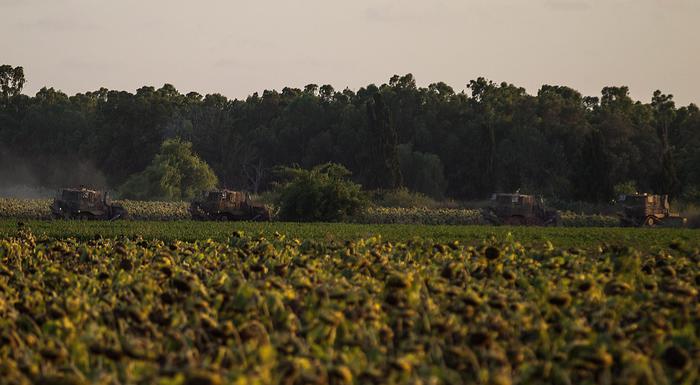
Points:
[(321, 194), (176, 173), (402, 197), (625, 188)]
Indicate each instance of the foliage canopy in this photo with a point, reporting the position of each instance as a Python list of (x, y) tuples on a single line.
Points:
[(321, 194), (488, 136), (175, 173)]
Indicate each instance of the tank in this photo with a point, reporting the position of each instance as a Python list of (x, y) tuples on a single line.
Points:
[(86, 204), (228, 205), (648, 210), (520, 210)]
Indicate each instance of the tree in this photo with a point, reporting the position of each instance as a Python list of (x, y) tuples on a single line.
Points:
[(323, 193), (422, 172), (383, 142), (686, 143), (664, 114), (562, 126), (487, 137), (175, 173), (499, 110), (630, 138), (11, 81), (593, 180)]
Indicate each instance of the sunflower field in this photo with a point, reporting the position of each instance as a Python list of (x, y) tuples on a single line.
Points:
[(138, 210), (175, 211), (280, 310)]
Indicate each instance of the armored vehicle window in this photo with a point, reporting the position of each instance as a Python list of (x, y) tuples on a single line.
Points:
[(638, 199), (70, 195), (504, 199), (215, 195)]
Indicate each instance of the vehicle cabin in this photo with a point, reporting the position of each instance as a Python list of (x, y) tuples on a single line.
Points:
[(521, 209), (83, 203), (84, 197), (227, 205), (648, 210), (515, 204), (226, 197), (650, 204)]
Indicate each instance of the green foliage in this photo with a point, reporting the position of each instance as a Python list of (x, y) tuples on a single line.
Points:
[(594, 183), (402, 197), (422, 172), (664, 114), (383, 142), (321, 194), (489, 137), (625, 188), (11, 82), (668, 182), (175, 173)]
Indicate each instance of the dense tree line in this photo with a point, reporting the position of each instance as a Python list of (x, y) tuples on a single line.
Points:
[(464, 145)]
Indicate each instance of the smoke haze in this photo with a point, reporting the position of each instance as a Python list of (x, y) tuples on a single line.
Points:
[(40, 178)]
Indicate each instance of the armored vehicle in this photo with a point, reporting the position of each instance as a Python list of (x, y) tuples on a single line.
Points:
[(83, 203), (648, 210), (228, 205), (520, 209)]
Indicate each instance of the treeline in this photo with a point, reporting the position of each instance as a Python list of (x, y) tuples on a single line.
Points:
[(463, 145)]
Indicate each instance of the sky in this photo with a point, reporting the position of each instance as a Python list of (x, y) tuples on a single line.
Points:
[(237, 47)]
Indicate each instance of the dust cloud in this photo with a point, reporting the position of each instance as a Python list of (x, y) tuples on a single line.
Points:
[(41, 178)]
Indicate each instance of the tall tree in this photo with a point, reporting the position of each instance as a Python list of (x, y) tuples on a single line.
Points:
[(11, 82), (593, 180), (383, 141), (664, 114)]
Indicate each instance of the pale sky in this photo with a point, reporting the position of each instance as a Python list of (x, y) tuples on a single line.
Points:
[(239, 47)]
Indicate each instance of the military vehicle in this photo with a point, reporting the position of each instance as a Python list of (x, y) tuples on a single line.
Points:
[(228, 205), (520, 209), (648, 210), (86, 204)]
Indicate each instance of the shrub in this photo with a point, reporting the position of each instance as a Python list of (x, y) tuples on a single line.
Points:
[(176, 173), (402, 197), (321, 194), (625, 188)]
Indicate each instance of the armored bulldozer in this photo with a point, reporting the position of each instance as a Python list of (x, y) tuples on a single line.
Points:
[(648, 210), (520, 210), (86, 204), (228, 205)]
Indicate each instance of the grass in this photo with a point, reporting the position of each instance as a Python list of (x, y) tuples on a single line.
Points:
[(647, 239)]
